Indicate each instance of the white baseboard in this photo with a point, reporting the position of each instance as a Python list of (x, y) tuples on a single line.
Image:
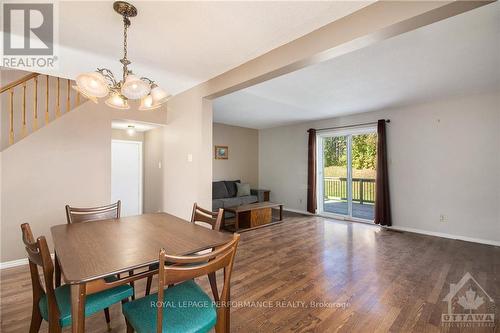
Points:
[(445, 235), (417, 231), (15, 263), (297, 211)]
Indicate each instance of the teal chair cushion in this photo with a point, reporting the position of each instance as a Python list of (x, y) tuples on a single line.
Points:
[(93, 302), (186, 309)]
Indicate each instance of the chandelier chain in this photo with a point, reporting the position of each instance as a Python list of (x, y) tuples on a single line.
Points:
[(125, 38), (125, 61)]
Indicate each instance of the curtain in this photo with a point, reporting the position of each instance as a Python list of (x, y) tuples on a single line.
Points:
[(382, 199), (311, 172)]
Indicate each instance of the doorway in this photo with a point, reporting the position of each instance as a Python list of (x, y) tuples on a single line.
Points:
[(126, 175), (346, 173)]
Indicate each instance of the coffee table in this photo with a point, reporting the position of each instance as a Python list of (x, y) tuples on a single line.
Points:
[(255, 215)]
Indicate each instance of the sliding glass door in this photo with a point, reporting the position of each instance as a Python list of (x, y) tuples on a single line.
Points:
[(346, 173)]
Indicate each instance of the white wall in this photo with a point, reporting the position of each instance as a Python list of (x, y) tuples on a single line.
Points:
[(444, 158), (153, 170), (66, 162), (243, 161)]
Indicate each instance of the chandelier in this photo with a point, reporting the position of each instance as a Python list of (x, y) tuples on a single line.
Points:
[(102, 82)]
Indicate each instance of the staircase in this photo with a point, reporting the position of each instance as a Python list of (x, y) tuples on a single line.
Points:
[(33, 101)]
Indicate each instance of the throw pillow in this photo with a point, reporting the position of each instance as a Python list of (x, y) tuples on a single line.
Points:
[(243, 189), (231, 187), (219, 190)]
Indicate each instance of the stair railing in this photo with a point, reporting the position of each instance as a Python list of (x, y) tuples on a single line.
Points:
[(23, 83)]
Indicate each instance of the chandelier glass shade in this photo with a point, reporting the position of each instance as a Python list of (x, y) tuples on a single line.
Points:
[(147, 103), (117, 101), (102, 82), (92, 98), (92, 84)]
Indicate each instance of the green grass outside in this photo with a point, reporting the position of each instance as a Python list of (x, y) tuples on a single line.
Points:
[(337, 171)]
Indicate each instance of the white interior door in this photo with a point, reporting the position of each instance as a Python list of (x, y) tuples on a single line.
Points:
[(126, 176)]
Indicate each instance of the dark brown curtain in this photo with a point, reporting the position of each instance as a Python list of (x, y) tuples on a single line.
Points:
[(311, 172), (382, 200)]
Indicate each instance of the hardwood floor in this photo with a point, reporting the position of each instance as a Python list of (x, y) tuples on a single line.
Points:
[(388, 281)]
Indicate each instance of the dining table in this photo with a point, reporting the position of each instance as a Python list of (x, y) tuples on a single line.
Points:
[(88, 252)]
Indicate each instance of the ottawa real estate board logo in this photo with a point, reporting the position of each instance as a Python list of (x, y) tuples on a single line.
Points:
[(29, 35), (469, 305)]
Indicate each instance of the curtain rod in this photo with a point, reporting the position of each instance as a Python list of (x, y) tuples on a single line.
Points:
[(347, 126)]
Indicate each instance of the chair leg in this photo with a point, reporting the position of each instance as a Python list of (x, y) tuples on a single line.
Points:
[(148, 285), (222, 324), (130, 273), (130, 329), (54, 327), (108, 318), (213, 284), (36, 319)]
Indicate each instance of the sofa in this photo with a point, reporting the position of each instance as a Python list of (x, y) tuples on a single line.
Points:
[(224, 195)]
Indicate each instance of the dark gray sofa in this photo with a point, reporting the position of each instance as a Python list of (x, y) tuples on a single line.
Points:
[(224, 195)]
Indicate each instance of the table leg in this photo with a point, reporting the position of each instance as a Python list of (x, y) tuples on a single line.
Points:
[(237, 224), (78, 307), (57, 270), (281, 212)]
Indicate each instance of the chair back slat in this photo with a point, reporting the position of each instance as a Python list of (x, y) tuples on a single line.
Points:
[(183, 273), (203, 215), (39, 255), (30, 245), (174, 269), (77, 215)]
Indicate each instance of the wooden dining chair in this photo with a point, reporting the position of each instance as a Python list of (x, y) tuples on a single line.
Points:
[(214, 219), (203, 215), (54, 304), (76, 215), (184, 307), (80, 215)]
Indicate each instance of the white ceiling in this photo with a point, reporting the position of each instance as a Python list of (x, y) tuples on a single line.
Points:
[(181, 44), (138, 126), (456, 56)]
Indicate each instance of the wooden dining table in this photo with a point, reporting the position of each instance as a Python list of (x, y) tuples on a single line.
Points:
[(88, 252)]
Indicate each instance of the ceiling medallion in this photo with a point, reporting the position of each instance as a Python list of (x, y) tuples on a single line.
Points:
[(102, 82)]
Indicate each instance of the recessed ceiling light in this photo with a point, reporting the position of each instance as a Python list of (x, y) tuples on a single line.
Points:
[(131, 130)]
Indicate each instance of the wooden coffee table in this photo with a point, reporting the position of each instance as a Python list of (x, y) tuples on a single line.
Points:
[(255, 215)]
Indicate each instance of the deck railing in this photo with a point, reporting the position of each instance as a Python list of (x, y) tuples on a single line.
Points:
[(363, 189)]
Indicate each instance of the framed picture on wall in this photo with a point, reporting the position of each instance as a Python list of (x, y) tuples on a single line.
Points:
[(221, 152)]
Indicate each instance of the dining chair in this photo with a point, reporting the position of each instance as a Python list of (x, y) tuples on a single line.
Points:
[(76, 215), (214, 219), (184, 306), (80, 215), (54, 304)]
